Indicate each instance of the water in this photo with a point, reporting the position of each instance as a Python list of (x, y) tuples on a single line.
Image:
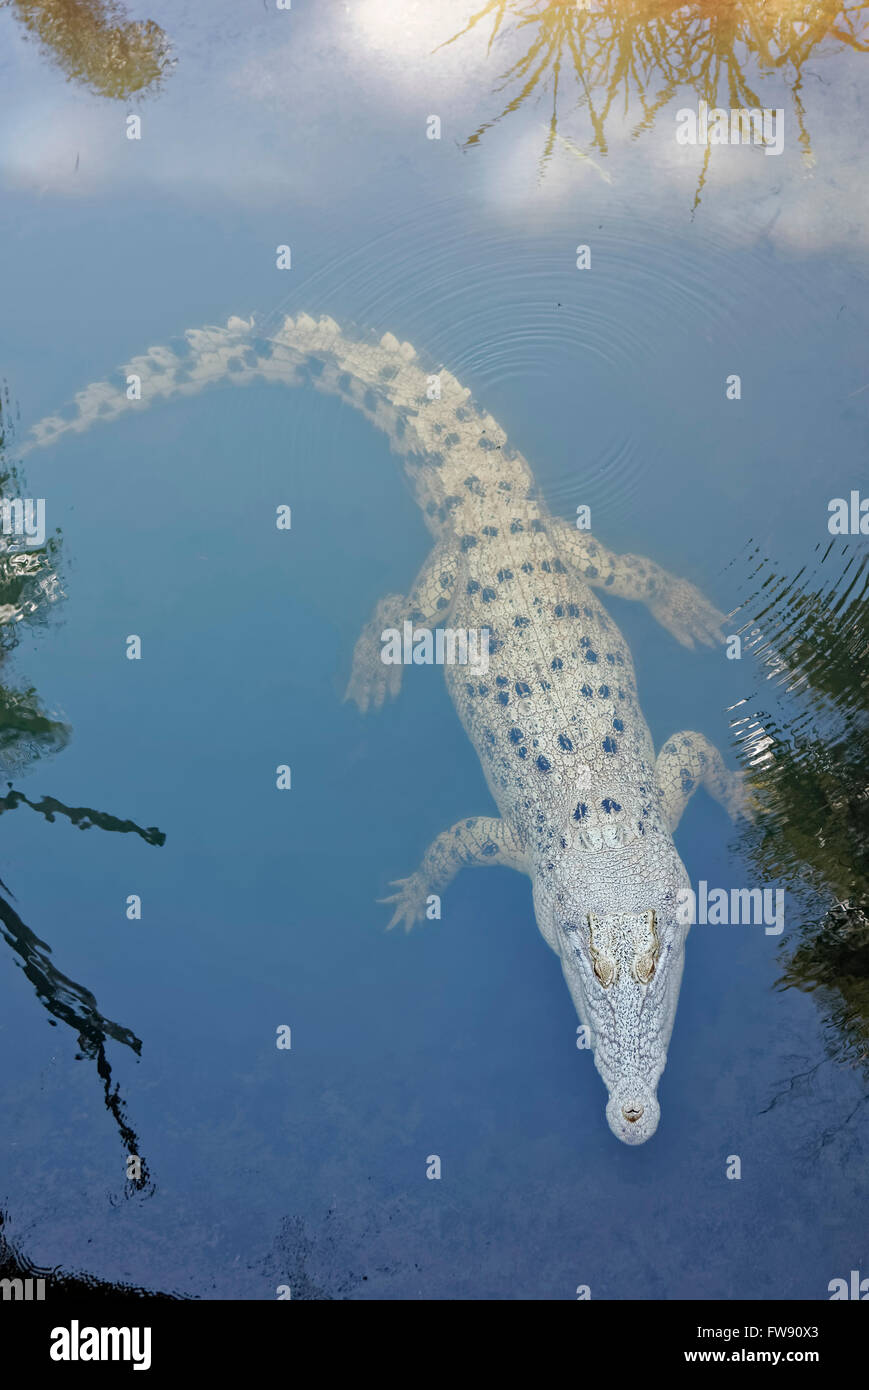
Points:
[(307, 1167)]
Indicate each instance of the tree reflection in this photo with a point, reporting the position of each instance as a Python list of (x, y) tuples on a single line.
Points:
[(602, 56), (94, 43), (809, 761), (29, 589)]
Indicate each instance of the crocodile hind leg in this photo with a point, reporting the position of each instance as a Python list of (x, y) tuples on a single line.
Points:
[(471, 843), (372, 679), (676, 604), (688, 760)]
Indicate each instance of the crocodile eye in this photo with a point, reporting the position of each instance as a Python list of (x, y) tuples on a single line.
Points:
[(604, 969), (644, 967), (644, 962)]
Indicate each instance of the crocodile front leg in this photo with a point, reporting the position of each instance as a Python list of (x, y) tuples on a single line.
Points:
[(372, 679), (676, 604), (689, 760), (470, 844)]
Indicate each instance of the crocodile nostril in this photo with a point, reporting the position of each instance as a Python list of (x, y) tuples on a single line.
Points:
[(632, 1113)]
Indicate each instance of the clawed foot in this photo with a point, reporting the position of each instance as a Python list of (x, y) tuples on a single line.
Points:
[(409, 902), (372, 679), (686, 614)]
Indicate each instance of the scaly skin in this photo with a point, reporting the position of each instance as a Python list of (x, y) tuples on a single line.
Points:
[(586, 810)]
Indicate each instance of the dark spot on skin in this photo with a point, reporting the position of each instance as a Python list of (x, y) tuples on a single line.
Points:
[(592, 572), (523, 752), (442, 602), (609, 805), (516, 525), (516, 735), (470, 688), (687, 780), (538, 527), (557, 664), (504, 574), (609, 745), (581, 811), (523, 688), (473, 586), (489, 848), (546, 567), (527, 568), (587, 691), (604, 692), (490, 530), (565, 743), (521, 622), (468, 542), (591, 656), (610, 658), (618, 726), (487, 595), (544, 764), (503, 697), (572, 610), (558, 567), (484, 690)]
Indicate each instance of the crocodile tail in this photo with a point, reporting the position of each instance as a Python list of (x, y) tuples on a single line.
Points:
[(428, 417)]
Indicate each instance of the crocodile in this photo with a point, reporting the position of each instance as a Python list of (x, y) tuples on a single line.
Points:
[(585, 807)]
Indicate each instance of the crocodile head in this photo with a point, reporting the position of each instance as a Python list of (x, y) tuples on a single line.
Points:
[(623, 969)]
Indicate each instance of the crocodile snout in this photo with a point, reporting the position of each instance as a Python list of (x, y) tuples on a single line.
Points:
[(633, 1111)]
